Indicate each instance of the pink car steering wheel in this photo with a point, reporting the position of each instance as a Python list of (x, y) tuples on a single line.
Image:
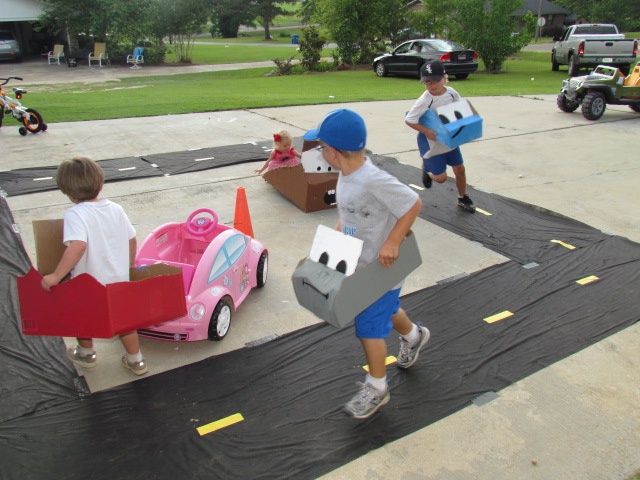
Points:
[(201, 226)]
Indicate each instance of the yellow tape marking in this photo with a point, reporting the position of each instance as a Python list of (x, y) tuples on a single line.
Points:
[(498, 316), (415, 186), (589, 279), (484, 212), (566, 245), (388, 361), (222, 423)]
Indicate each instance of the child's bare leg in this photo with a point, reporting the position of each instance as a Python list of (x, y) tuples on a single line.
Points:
[(375, 350), (131, 342), (85, 342), (401, 322), (461, 179)]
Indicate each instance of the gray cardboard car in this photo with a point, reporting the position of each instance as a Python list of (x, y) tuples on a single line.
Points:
[(9, 47)]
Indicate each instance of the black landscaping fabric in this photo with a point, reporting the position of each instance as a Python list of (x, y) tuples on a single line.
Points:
[(207, 158), (32, 375), (290, 390), (31, 180), (517, 230)]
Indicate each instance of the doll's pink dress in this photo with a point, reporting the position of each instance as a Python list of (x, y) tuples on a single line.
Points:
[(283, 159)]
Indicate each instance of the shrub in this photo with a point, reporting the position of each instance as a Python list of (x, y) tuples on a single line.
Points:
[(283, 67), (311, 45)]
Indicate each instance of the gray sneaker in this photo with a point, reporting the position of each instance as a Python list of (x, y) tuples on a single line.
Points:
[(138, 368), (367, 401), (408, 354), (88, 361)]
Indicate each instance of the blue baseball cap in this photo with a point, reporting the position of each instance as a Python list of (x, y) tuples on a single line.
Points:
[(341, 129)]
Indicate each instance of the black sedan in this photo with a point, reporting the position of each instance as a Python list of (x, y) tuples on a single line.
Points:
[(408, 57)]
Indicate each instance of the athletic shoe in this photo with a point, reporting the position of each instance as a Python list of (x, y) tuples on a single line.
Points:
[(466, 203), (408, 354), (427, 181), (367, 401), (138, 368), (87, 361)]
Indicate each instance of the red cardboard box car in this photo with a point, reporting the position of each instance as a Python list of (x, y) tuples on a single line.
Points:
[(83, 307)]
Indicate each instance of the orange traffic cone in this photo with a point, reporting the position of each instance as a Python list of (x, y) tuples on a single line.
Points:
[(242, 218)]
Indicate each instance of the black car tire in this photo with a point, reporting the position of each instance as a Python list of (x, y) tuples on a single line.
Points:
[(220, 320), (565, 104), (594, 105), (573, 67), (261, 271), (33, 122), (554, 65), (462, 76), (381, 69)]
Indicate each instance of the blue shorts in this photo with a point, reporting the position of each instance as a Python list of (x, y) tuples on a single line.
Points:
[(375, 320), (438, 163)]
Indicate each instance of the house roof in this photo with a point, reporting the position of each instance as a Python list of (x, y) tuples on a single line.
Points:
[(545, 7), (20, 10)]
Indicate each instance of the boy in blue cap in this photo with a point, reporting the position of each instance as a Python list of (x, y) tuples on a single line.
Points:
[(378, 209), (435, 155)]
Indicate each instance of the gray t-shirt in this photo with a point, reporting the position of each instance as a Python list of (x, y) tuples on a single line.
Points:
[(370, 201)]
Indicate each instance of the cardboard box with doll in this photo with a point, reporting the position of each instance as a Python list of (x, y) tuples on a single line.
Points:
[(311, 186)]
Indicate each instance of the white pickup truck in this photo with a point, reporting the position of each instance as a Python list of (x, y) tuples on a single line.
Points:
[(591, 44)]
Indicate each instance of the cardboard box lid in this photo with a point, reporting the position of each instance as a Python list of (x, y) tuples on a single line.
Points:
[(48, 235)]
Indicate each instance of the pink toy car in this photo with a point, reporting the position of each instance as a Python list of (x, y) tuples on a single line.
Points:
[(220, 265)]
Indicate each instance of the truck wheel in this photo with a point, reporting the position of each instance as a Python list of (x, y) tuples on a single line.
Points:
[(593, 106), (573, 67), (635, 108), (554, 65), (565, 104)]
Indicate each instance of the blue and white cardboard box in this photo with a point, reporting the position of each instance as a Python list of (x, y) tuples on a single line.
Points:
[(455, 124)]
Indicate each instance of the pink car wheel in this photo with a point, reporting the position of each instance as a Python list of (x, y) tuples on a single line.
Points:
[(220, 320)]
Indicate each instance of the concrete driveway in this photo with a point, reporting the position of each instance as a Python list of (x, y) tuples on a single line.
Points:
[(577, 419)]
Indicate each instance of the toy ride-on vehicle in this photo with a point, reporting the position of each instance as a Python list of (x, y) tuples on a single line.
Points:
[(220, 265), (30, 119), (605, 85)]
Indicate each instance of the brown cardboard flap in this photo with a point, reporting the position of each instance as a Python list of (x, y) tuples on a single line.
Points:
[(48, 235)]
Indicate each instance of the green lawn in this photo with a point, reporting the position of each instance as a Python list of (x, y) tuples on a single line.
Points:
[(528, 73)]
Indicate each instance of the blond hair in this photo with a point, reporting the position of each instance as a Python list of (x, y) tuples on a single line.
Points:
[(80, 178), (281, 136)]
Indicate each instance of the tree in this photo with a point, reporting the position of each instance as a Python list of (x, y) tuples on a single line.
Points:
[(267, 10), (121, 20), (228, 15), (623, 13), (435, 19), (180, 20), (488, 27), (357, 26)]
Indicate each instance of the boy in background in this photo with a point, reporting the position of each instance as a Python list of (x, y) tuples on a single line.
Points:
[(435, 155)]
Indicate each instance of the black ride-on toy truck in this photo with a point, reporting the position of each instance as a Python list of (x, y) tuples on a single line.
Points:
[(605, 85)]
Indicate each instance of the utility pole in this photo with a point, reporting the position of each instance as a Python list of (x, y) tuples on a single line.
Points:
[(538, 26)]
